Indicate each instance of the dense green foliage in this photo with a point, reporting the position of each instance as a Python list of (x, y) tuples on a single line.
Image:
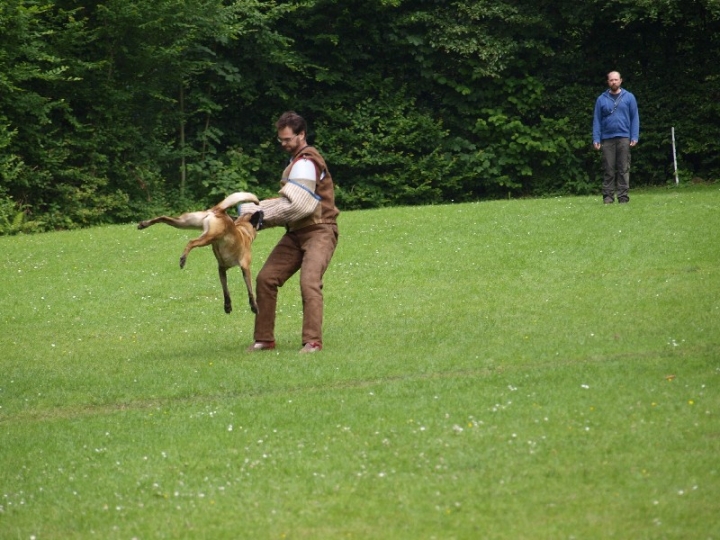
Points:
[(112, 111)]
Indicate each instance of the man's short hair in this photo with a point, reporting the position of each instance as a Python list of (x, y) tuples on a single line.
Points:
[(292, 120)]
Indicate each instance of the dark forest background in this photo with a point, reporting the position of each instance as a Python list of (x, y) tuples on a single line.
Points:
[(118, 110)]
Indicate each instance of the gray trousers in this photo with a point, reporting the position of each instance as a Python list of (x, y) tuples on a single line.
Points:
[(616, 167), (309, 250)]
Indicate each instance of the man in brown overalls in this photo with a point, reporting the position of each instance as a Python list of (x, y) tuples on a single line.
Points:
[(306, 208)]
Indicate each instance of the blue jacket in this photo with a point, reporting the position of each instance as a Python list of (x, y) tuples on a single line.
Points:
[(610, 121)]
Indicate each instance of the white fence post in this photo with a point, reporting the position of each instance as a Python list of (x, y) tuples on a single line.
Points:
[(674, 155)]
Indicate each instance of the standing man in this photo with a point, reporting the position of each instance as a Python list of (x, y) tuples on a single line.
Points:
[(616, 129), (306, 208)]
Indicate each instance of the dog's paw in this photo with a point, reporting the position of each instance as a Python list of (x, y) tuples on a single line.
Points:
[(142, 225), (228, 308), (182, 261)]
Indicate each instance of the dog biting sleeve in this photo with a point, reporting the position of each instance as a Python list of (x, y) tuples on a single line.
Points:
[(297, 198), (295, 203)]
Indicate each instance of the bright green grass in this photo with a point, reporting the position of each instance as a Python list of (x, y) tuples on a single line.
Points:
[(539, 369)]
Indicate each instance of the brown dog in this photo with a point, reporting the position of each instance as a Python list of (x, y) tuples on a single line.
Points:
[(231, 240)]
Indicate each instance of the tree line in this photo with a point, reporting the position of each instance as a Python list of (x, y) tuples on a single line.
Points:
[(112, 111)]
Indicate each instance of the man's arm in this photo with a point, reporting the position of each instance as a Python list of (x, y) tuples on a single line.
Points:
[(597, 127), (297, 198), (634, 123)]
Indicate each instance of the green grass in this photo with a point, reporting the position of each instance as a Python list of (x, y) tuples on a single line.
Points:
[(540, 369)]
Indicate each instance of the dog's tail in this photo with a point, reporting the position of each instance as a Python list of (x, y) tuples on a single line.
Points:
[(235, 198)]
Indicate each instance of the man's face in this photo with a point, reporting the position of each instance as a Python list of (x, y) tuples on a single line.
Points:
[(614, 82), (289, 141)]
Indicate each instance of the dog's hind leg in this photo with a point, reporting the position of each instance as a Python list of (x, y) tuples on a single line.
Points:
[(190, 220), (202, 241), (213, 229)]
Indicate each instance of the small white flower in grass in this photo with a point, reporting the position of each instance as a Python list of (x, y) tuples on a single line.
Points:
[(585, 386), (230, 428)]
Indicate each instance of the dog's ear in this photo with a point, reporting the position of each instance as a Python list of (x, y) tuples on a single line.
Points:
[(256, 220)]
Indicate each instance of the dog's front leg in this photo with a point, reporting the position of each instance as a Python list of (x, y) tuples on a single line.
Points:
[(248, 283), (222, 271)]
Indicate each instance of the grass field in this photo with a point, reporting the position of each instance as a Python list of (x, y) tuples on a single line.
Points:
[(526, 369)]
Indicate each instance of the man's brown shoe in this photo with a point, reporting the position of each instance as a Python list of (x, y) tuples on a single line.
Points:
[(261, 346), (310, 347)]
